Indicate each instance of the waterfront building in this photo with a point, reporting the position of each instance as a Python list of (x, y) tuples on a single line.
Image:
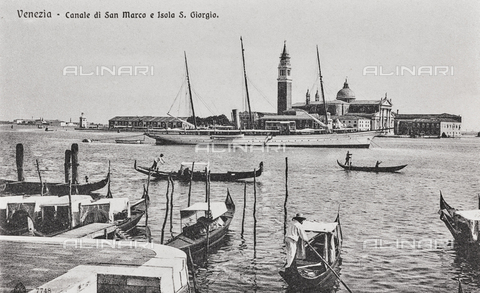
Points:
[(428, 125), (146, 122)]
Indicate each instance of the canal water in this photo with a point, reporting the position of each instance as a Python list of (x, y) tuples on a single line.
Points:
[(394, 240)]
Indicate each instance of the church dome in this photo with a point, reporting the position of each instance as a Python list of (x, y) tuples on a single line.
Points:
[(346, 94)]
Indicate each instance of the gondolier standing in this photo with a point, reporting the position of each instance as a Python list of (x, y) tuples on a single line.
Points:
[(348, 157), (294, 238)]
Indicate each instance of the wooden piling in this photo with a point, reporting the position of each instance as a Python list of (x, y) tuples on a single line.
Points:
[(244, 205), (67, 165), (75, 163), (70, 211), (254, 213), (40, 177), (209, 213), (19, 158), (192, 269), (206, 184), (190, 186), (171, 207), (166, 211), (286, 198)]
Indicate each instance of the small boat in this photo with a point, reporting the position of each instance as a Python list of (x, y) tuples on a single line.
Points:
[(462, 224), (184, 173), (195, 221), (131, 141), (25, 187), (326, 239), (371, 169)]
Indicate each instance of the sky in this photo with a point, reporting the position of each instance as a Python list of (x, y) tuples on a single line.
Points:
[(424, 55)]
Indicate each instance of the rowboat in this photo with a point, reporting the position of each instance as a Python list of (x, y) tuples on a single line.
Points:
[(195, 221), (51, 215), (184, 173), (25, 187), (463, 225), (371, 169), (130, 141), (326, 240)]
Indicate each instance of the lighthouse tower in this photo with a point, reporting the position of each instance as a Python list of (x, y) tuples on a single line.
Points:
[(284, 95)]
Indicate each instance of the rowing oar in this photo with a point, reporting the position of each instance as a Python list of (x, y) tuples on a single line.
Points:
[(329, 267)]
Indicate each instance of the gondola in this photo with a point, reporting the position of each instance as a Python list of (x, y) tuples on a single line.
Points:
[(184, 173), (195, 220), (371, 169), (59, 189), (326, 239), (463, 225)]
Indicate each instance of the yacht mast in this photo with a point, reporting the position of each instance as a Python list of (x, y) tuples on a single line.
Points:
[(250, 118), (321, 87), (190, 93)]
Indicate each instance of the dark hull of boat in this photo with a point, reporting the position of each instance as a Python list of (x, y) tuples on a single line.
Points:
[(22, 187), (459, 230), (321, 282), (129, 141), (372, 169), (196, 248), (200, 176)]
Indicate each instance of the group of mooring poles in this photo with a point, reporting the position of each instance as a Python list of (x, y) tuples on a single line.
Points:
[(311, 247), (71, 162)]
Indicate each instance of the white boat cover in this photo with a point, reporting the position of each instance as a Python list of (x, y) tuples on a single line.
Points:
[(9, 199), (217, 209), (472, 219), (319, 227), (110, 205)]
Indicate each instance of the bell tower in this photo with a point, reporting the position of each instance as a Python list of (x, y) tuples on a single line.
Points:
[(284, 94)]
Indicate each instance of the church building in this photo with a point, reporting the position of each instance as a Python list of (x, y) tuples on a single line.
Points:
[(345, 111)]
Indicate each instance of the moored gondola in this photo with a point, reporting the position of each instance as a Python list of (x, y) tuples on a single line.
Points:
[(59, 189), (195, 221), (184, 173), (371, 169), (319, 269)]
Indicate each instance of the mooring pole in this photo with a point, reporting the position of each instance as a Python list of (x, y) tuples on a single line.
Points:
[(254, 213), (67, 165), (75, 163), (70, 212), (19, 158), (166, 211), (190, 186), (40, 176), (171, 207), (244, 205), (286, 198), (209, 215)]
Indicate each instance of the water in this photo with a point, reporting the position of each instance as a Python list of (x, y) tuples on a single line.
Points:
[(394, 240)]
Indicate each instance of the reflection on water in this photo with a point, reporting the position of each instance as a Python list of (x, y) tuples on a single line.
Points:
[(387, 207)]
